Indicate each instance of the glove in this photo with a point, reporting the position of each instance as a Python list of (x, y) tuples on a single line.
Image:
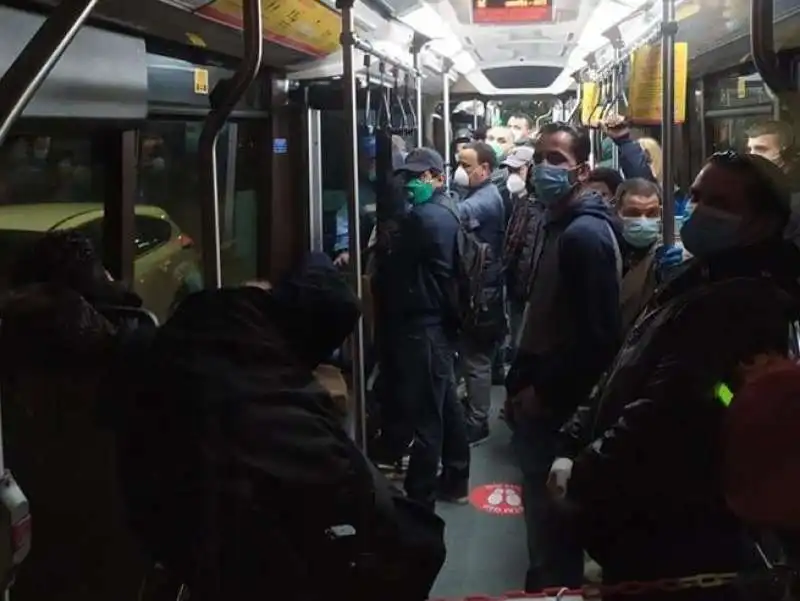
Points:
[(559, 476), (667, 258)]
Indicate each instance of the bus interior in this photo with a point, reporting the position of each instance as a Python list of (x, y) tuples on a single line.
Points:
[(207, 143)]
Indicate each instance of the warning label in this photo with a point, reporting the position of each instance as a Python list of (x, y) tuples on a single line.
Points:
[(497, 499)]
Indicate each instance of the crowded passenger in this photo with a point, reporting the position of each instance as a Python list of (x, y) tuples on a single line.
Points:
[(647, 475), (483, 214), (774, 140), (366, 200), (639, 206), (524, 226), (250, 483), (605, 181), (570, 334), (521, 127), (421, 326), (501, 139)]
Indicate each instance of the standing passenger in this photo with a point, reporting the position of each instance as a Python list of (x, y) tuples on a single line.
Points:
[(422, 324), (571, 332), (482, 213), (520, 126)]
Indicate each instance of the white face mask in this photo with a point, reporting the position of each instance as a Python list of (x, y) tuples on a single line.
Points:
[(515, 183), (461, 177)]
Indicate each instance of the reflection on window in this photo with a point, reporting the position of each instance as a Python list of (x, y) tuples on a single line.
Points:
[(735, 91), (45, 169), (46, 182), (335, 236), (169, 185), (730, 134)]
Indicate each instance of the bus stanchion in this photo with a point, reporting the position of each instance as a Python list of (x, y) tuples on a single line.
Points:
[(669, 30)]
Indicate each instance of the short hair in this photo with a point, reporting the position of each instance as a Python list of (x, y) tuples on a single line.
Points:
[(479, 134), (606, 175), (486, 153), (783, 130), (766, 185), (581, 144), (637, 186), (528, 120)]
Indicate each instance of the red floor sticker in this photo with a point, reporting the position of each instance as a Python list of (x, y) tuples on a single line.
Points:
[(497, 499)]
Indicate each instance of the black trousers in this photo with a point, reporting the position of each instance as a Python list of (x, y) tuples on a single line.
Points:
[(420, 403)]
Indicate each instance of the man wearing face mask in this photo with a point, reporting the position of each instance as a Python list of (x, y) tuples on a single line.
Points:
[(482, 212), (647, 476), (517, 254), (421, 325), (571, 332), (639, 206)]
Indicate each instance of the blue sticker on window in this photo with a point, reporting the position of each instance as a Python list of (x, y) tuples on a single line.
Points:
[(280, 146)]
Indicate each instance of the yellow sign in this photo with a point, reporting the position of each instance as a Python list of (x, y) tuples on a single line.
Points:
[(201, 81), (590, 103), (305, 25), (644, 99), (196, 40), (741, 87)]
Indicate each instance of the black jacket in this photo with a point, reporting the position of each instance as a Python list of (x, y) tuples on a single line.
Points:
[(646, 475), (572, 327), (416, 277)]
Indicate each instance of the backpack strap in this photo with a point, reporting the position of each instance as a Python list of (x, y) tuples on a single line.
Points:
[(617, 251)]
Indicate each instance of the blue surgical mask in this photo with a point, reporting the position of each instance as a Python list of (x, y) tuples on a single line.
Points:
[(641, 232), (551, 184), (710, 231)]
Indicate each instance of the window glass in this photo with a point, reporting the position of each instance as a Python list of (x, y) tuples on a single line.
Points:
[(730, 134), (169, 185), (238, 213), (42, 177), (734, 91), (334, 184), (151, 232)]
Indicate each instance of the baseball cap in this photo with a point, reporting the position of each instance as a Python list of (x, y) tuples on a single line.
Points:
[(519, 157), (420, 160)]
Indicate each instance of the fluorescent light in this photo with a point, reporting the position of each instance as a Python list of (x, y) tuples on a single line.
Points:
[(426, 21), (463, 62)]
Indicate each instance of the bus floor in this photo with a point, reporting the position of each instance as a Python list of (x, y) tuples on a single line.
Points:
[(486, 548)]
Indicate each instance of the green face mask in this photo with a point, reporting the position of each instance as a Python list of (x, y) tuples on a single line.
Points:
[(419, 191)]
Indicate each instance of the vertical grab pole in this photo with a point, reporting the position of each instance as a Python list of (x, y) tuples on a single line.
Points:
[(353, 212), (32, 66), (447, 64), (615, 87), (669, 29), (223, 100), (416, 48)]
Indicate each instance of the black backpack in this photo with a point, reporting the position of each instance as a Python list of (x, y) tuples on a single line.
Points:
[(475, 302)]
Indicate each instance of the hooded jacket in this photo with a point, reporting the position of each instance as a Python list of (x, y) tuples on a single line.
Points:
[(648, 464), (228, 415), (572, 323)]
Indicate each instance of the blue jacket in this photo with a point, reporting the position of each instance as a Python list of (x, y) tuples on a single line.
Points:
[(572, 328), (483, 213), (420, 271)]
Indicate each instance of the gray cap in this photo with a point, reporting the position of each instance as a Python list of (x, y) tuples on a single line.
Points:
[(519, 157), (423, 159)]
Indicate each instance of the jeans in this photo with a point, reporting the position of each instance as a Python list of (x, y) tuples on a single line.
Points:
[(555, 555), (476, 367), (423, 381)]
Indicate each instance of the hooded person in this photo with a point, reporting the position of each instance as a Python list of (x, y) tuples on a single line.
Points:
[(570, 334), (58, 381), (254, 484)]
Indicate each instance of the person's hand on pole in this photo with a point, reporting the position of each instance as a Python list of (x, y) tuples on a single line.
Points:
[(342, 260), (667, 258), (615, 127), (560, 473)]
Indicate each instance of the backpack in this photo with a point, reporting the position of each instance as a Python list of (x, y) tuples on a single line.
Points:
[(241, 527), (474, 302)]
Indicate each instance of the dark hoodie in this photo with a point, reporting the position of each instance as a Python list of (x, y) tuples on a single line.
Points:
[(572, 326), (234, 458)]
